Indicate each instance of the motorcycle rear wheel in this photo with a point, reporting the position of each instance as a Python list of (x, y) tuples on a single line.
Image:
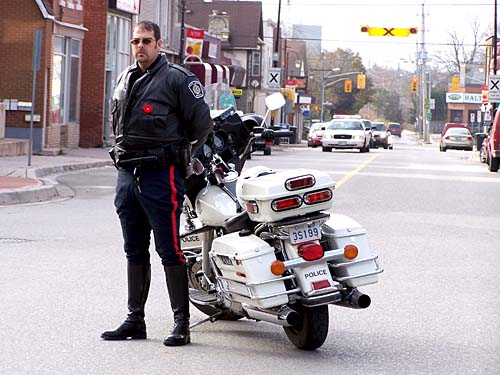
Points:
[(311, 332)]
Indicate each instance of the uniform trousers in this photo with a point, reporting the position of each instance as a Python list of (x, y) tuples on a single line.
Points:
[(150, 199)]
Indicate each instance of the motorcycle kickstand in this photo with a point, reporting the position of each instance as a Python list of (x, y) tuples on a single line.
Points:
[(211, 319)]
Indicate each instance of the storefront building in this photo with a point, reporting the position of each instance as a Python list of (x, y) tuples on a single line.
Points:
[(104, 58), (464, 107)]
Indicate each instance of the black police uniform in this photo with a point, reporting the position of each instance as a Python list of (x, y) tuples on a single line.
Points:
[(157, 115)]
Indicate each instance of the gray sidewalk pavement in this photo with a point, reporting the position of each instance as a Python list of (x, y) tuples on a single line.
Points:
[(20, 183)]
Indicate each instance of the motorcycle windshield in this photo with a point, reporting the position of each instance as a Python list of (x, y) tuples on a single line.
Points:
[(219, 97)]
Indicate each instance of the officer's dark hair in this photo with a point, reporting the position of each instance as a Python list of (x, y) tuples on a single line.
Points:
[(149, 26)]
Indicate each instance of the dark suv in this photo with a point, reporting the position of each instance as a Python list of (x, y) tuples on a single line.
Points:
[(394, 128)]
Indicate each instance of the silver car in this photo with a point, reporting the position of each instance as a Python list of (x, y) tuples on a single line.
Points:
[(456, 138)]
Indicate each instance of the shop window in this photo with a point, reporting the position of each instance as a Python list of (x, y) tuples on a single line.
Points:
[(118, 44), (65, 80), (456, 116)]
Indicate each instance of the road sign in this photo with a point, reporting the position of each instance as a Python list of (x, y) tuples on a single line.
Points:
[(494, 89), (429, 116), (274, 79)]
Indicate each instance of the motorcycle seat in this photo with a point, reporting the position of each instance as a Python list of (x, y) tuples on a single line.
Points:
[(239, 222)]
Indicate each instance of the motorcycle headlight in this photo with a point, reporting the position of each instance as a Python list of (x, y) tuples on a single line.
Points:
[(383, 135)]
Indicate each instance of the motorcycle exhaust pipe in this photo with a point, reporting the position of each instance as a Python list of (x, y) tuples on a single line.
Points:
[(285, 317), (355, 300)]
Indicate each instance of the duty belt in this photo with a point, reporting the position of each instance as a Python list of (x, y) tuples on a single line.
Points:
[(149, 158)]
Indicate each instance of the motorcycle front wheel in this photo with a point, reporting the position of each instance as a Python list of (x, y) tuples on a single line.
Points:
[(310, 333)]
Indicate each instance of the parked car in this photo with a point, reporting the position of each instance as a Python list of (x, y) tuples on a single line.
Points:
[(394, 128), (345, 134), (494, 144), (456, 138), (380, 135), (452, 125), (316, 133)]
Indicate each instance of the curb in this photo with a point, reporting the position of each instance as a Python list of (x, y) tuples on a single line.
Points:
[(50, 189)]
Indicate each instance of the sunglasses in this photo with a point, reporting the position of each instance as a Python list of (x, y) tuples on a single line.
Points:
[(144, 41)]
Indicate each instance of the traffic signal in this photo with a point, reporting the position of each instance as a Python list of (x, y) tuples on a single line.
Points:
[(361, 81), (455, 83), (414, 85), (388, 31), (348, 85)]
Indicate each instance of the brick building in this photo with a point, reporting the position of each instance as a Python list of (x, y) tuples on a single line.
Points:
[(56, 110)]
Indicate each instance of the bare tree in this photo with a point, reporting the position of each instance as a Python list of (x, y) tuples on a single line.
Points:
[(461, 53)]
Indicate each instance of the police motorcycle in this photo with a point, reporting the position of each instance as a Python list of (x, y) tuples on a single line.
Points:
[(260, 243)]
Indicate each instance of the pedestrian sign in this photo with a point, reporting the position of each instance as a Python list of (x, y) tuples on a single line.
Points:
[(494, 89)]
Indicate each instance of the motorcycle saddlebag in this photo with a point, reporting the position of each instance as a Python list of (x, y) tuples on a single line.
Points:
[(245, 264), (341, 230)]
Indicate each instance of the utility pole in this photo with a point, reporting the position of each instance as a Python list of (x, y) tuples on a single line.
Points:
[(323, 78), (423, 81), (183, 32)]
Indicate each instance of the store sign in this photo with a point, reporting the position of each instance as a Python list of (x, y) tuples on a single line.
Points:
[(129, 6), (460, 97), (194, 42)]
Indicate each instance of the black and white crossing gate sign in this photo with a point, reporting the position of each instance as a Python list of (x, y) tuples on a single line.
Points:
[(274, 79), (494, 89)]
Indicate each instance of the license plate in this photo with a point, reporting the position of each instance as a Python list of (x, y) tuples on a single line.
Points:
[(304, 233), (342, 142)]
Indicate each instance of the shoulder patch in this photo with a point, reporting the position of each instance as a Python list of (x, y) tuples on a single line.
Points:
[(196, 89)]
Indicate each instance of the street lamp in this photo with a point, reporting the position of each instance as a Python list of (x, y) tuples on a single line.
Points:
[(324, 77)]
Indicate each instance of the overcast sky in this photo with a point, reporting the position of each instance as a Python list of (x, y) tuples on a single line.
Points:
[(341, 21)]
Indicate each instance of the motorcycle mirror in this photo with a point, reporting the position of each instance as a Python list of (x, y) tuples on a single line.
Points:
[(198, 167), (275, 101)]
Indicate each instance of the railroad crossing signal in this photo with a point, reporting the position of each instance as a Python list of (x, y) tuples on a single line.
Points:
[(414, 85), (348, 85), (361, 81), (388, 31)]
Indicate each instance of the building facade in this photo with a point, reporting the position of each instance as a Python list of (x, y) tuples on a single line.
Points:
[(56, 107)]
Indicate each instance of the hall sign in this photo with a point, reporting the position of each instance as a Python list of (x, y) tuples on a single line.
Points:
[(460, 97)]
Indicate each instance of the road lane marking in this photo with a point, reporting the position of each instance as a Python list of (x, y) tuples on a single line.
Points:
[(344, 179)]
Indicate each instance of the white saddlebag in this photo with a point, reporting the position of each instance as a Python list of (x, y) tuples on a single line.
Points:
[(245, 264), (341, 230)]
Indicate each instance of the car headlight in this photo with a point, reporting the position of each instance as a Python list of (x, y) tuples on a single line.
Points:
[(358, 137)]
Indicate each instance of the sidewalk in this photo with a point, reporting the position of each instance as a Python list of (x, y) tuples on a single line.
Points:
[(20, 183)]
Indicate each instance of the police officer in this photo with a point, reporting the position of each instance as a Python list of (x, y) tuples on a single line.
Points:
[(158, 114)]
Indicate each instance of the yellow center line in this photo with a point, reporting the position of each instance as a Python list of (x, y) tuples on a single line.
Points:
[(344, 179)]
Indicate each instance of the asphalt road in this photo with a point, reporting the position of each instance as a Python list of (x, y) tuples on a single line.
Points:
[(433, 218)]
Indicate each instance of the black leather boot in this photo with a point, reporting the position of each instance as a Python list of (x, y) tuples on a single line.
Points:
[(134, 327), (177, 285)]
